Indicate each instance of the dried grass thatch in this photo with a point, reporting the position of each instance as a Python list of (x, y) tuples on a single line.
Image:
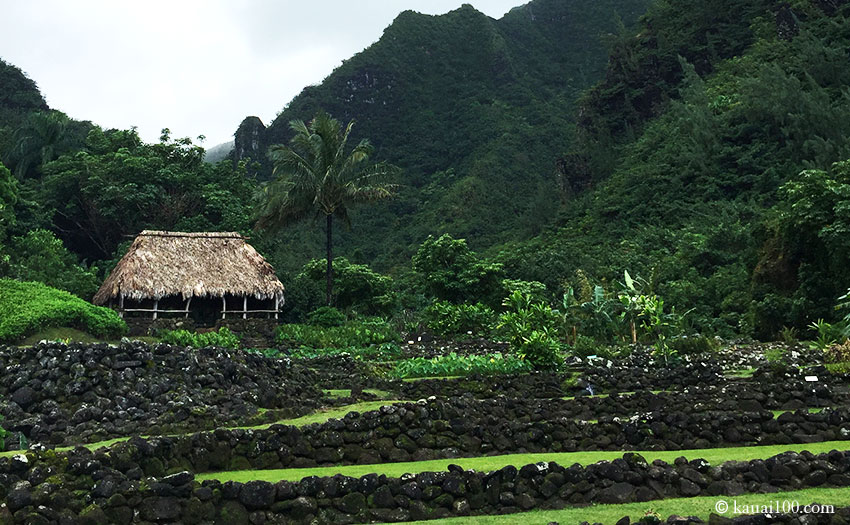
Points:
[(159, 264)]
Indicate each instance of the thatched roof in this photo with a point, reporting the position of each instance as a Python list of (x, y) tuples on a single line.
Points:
[(190, 264)]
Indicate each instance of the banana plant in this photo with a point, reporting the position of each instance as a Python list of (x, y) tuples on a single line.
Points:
[(599, 312), (570, 315), (631, 303)]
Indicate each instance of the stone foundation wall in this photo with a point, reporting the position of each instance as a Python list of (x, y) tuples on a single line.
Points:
[(145, 326), (438, 430), (255, 333), (104, 495)]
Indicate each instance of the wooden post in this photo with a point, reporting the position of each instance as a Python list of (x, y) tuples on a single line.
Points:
[(223, 306), (121, 305), (245, 307), (155, 308), (188, 302), (276, 304)]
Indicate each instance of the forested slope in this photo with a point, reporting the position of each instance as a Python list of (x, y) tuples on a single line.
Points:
[(476, 112), (688, 146)]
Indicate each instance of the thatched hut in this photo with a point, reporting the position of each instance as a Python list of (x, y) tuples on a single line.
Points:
[(205, 275)]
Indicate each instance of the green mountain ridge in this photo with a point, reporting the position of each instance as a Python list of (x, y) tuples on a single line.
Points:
[(476, 112)]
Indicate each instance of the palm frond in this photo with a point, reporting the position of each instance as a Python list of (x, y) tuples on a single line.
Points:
[(316, 177)]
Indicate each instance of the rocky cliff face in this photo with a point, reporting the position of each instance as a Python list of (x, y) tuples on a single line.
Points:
[(248, 140)]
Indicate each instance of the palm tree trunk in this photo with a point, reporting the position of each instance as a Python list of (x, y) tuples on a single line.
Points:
[(329, 274)]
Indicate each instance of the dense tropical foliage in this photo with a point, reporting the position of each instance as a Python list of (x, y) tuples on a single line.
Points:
[(709, 157)]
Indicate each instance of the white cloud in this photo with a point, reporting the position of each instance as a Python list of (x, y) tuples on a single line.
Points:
[(196, 67)]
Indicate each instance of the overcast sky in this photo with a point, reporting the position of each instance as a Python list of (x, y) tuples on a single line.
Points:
[(196, 67)]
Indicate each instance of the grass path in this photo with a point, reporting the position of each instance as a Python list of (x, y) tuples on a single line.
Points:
[(490, 463), (700, 506)]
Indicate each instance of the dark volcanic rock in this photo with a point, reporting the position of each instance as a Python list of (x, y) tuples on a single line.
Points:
[(257, 494), (24, 396)]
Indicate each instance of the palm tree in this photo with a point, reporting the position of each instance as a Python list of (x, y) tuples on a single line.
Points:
[(316, 176)]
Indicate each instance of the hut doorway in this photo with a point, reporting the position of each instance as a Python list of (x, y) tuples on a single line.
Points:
[(205, 311)]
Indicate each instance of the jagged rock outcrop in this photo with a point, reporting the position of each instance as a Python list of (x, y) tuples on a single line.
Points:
[(249, 139)]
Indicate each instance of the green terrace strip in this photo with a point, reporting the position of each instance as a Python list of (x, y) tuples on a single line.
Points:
[(320, 416), (346, 392), (701, 506), (743, 373), (491, 463), (412, 379), (332, 413)]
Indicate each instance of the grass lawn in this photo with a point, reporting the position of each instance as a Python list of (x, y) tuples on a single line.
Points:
[(700, 506), (490, 463)]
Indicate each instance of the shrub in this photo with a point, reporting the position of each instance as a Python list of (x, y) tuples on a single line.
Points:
[(777, 359), (27, 308), (541, 350), (530, 328), (355, 285), (788, 335), (223, 338), (693, 345), (455, 365), (452, 272), (351, 334), (828, 334), (838, 368), (449, 319), (326, 316), (838, 353), (39, 256), (585, 346), (303, 295)]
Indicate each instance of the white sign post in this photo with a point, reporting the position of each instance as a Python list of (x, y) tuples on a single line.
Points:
[(813, 380)]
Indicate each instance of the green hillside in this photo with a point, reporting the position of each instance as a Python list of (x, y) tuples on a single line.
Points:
[(30, 132), (19, 96), (474, 110), (688, 143)]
